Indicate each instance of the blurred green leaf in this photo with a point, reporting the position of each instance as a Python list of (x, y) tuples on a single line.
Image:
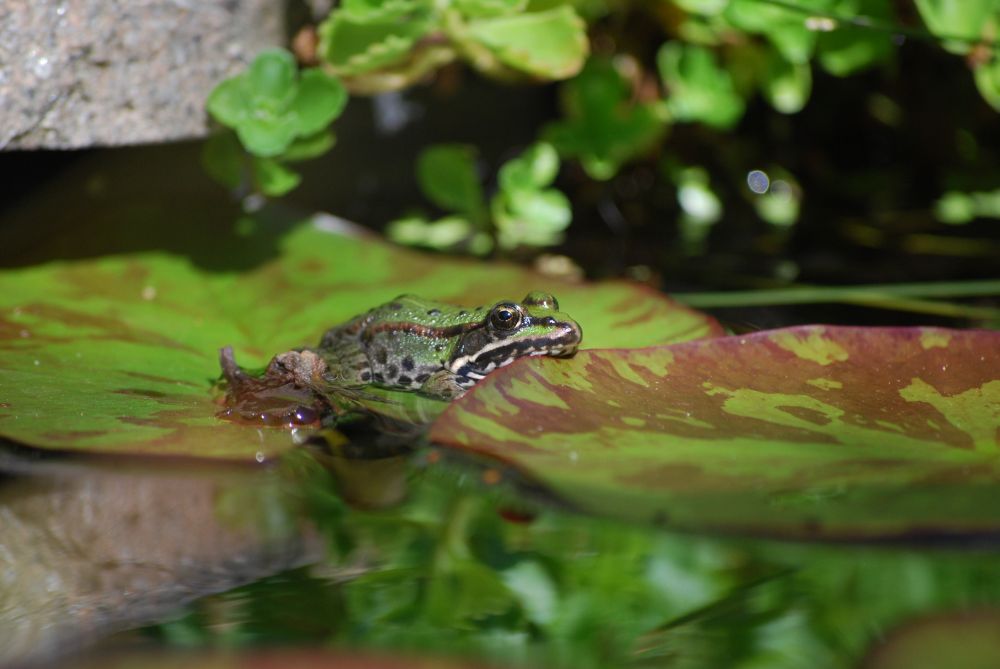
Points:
[(450, 233), (955, 208), (526, 213), (487, 8), (376, 10), (222, 158), (697, 88), (271, 77), (965, 19), (362, 38), (604, 127), (549, 45), (318, 100), (786, 85), (785, 27), (535, 168), (268, 108), (273, 178), (531, 217), (267, 135), (448, 177), (231, 101), (780, 204), (988, 82), (848, 49), (312, 146)]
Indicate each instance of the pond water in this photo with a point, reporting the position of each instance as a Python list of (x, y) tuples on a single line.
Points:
[(413, 552)]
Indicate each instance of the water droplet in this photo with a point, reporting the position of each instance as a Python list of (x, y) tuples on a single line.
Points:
[(61, 10), (758, 181), (37, 363), (574, 456), (149, 293), (259, 457)]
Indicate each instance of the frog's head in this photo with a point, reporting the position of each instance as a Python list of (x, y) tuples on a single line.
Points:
[(512, 330)]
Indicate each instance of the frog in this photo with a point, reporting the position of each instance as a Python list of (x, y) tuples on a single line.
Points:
[(441, 350)]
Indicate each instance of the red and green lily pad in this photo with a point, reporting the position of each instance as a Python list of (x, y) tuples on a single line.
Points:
[(813, 431), (120, 354)]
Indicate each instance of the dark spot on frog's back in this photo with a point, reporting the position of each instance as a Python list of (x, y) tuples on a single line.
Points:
[(433, 312), (408, 363), (392, 371), (404, 380), (395, 306), (463, 312), (381, 356), (423, 377)]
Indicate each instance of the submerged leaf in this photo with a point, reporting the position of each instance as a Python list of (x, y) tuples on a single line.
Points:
[(811, 431)]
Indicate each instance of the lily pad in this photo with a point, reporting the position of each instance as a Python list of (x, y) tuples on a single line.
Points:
[(119, 354), (813, 431)]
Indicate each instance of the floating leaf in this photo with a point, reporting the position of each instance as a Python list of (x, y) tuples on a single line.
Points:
[(698, 89), (807, 432), (119, 354), (448, 177), (355, 41), (269, 106), (550, 44), (604, 127)]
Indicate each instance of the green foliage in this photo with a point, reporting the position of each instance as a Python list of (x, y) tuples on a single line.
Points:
[(388, 46), (270, 106), (966, 20), (604, 127), (278, 114), (712, 58), (697, 88), (523, 212), (956, 207)]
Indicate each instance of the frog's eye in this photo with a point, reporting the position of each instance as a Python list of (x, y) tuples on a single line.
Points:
[(539, 299), (505, 317)]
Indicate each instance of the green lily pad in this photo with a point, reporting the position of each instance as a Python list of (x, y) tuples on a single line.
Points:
[(813, 431), (119, 354)]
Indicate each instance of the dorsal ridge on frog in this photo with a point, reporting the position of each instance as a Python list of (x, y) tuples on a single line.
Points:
[(442, 350)]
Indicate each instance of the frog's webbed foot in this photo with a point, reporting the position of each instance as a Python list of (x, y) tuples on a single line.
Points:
[(443, 384)]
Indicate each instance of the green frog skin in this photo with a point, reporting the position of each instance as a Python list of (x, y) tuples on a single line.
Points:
[(442, 350)]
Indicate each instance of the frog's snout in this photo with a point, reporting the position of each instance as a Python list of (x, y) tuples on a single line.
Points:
[(569, 340)]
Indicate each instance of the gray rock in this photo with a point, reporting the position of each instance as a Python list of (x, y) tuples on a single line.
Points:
[(78, 73)]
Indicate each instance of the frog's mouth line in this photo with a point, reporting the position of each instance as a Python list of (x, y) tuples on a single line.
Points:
[(504, 353)]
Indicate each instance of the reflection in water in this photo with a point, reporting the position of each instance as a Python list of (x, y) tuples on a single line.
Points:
[(443, 559), (89, 549)]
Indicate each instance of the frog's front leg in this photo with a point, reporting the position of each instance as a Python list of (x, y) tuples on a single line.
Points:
[(444, 384)]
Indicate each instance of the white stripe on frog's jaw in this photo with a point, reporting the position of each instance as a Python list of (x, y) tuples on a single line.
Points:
[(561, 344)]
